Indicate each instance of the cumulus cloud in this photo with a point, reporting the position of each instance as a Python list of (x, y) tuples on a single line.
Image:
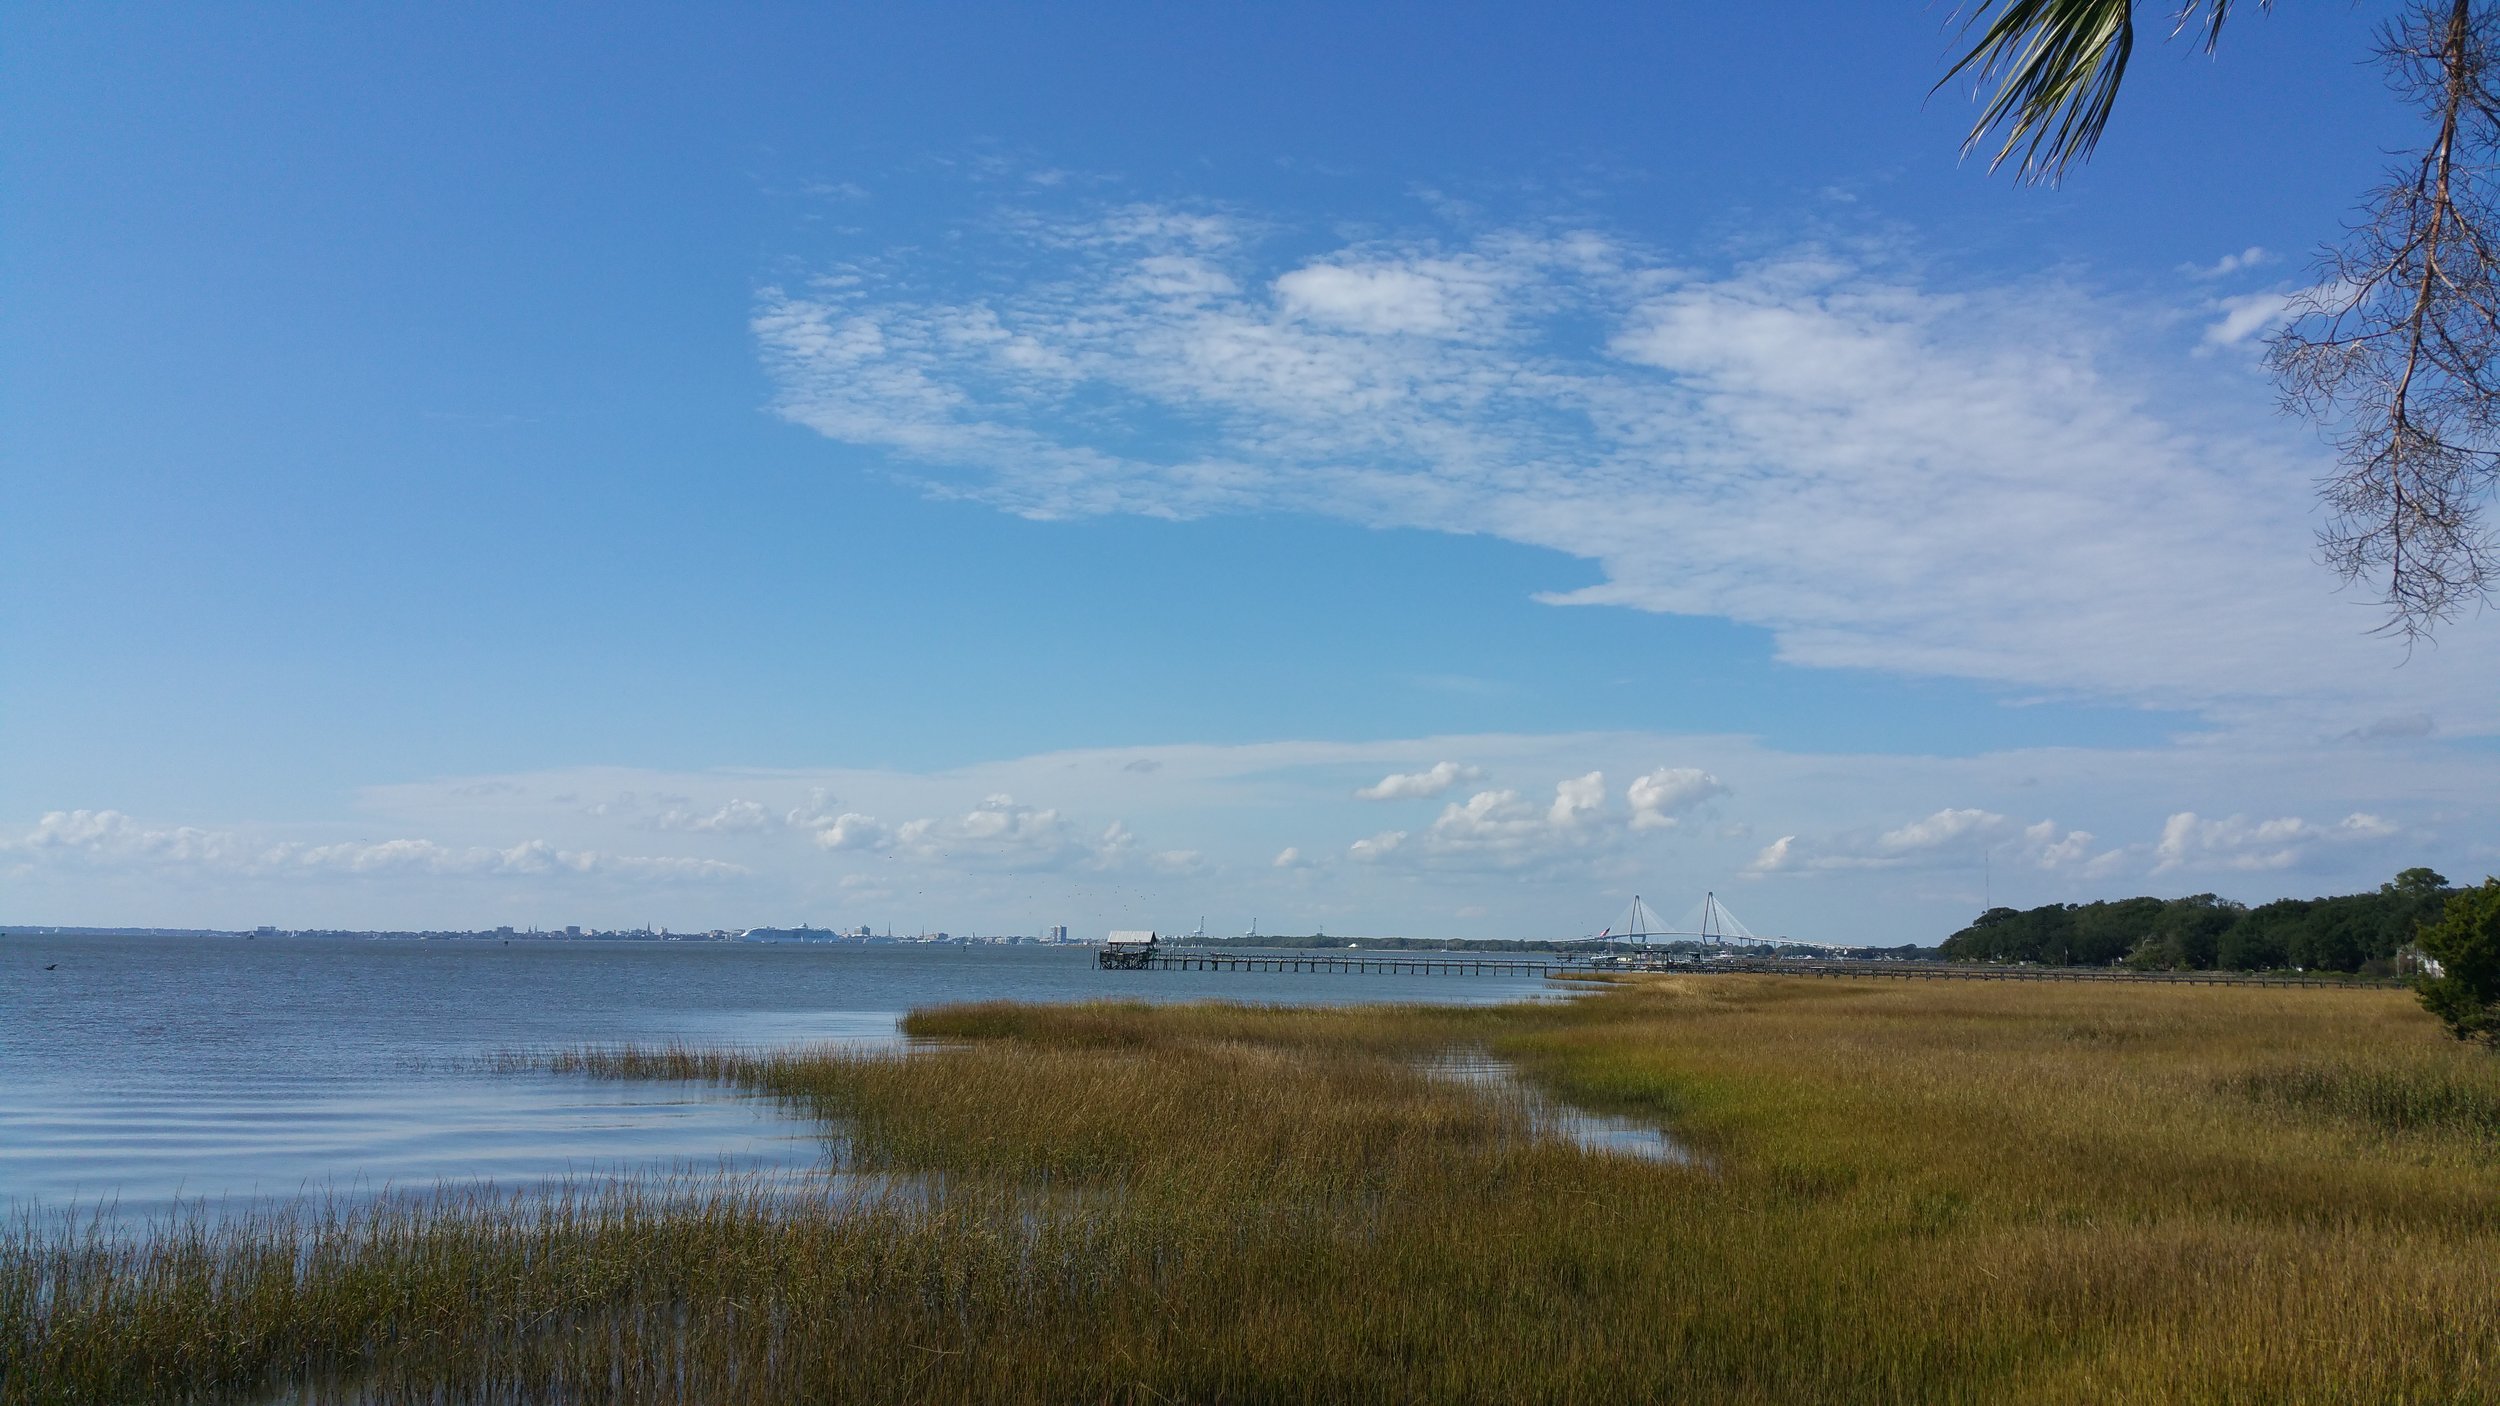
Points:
[(1886, 845), (1000, 832), (2233, 843), (854, 831), (1576, 799), (1501, 830), (110, 838), (1287, 858), (1661, 797), (1416, 785), (1970, 481), (2237, 843), (817, 810)]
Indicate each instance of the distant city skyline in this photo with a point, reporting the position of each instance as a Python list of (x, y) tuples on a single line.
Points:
[(1405, 472)]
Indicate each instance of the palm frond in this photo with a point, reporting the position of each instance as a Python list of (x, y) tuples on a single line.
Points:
[(2057, 65)]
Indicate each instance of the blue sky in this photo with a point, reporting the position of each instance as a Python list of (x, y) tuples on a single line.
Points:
[(987, 467)]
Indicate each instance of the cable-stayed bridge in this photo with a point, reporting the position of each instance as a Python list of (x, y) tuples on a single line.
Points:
[(1708, 923)]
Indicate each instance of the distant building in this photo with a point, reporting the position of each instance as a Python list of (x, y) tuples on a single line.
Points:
[(572, 929)]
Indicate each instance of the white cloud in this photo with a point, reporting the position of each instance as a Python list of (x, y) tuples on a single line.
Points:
[(1941, 830), (1003, 833), (2363, 826), (2073, 849), (1000, 833), (817, 810), (1378, 847), (1773, 857), (2189, 841), (2247, 315), (111, 839), (1955, 837), (1975, 481), (2241, 844), (1287, 858), (2247, 258), (1501, 830), (1866, 851), (854, 831), (734, 817), (1427, 296), (1659, 798), (1576, 800), (2234, 843), (1415, 785)]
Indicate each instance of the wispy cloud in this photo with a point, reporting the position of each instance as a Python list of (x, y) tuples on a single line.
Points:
[(1969, 481), (2189, 841), (111, 839), (1955, 837), (2229, 264), (2248, 315), (1415, 785)]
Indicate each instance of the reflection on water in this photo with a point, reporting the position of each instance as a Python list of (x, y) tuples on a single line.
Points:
[(1598, 1132), (203, 1139), (141, 1071)]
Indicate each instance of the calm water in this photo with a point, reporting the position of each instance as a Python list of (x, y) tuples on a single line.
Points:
[(146, 1071)]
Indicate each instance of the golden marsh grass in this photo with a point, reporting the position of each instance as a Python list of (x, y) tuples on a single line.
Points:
[(1931, 1192)]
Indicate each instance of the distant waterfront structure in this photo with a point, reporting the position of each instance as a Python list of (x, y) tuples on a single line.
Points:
[(572, 929), (1058, 932)]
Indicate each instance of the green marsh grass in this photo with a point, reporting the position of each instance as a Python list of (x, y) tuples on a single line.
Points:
[(1929, 1192)]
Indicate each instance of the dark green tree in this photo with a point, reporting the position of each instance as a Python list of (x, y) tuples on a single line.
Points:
[(2466, 944), (2262, 939), (2107, 932), (2188, 932)]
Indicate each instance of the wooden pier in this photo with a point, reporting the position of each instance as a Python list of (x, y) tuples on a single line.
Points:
[(1199, 959), (1185, 959)]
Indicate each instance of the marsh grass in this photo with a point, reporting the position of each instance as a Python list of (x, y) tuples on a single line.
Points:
[(1988, 1193), (2444, 1096)]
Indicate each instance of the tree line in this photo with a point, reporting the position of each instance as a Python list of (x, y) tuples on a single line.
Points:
[(2358, 932)]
